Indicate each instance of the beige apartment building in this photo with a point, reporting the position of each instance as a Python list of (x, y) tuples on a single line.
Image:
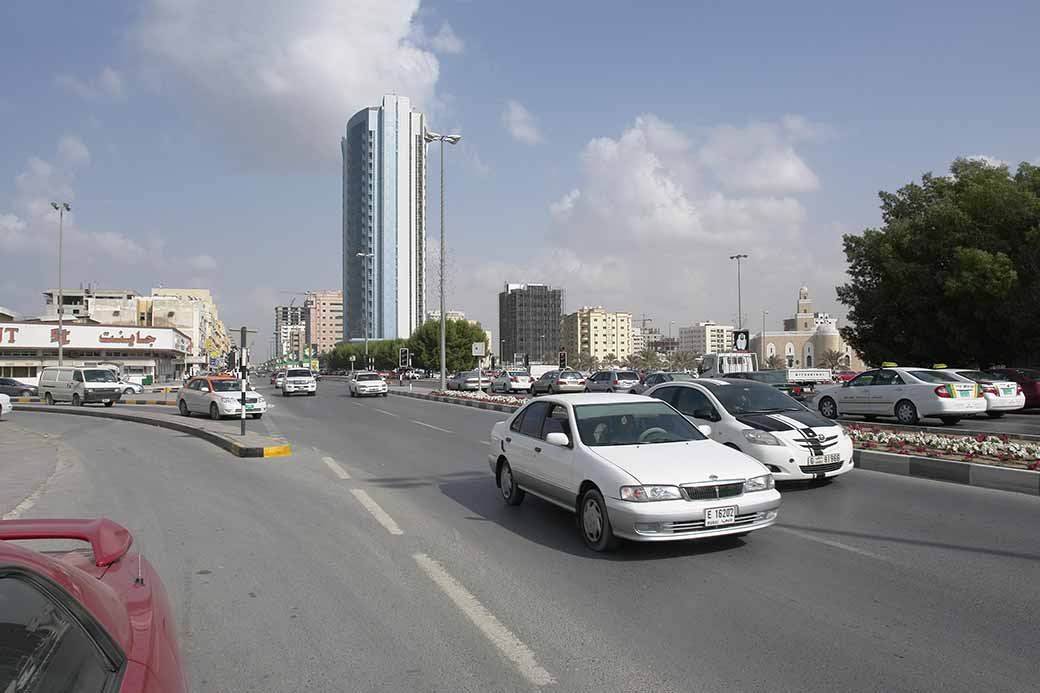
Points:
[(597, 332), (706, 337), (324, 319)]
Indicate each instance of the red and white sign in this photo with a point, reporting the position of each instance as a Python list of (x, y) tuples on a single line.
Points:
[(94, 337)]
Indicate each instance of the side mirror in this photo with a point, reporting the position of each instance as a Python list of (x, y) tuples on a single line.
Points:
[(704, 428), (558, 439), (203, 389), (846, 383)]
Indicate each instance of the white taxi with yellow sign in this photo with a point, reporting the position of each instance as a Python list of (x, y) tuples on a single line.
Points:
[(1001, 394), (908, 394)]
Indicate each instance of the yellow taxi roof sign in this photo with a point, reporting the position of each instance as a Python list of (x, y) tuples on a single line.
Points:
[(939, 365), (889, 364)]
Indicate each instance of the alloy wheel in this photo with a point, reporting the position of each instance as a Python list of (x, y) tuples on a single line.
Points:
[(592, 520)]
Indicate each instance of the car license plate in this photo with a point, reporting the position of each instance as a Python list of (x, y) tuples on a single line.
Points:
[(824, 459), (713, 517), (250, 407)]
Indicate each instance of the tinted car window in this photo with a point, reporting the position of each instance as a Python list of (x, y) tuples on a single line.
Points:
[(887, 377), (863, 379), (43, 647), (557, 422), (932, 376), (636, 423), (693, 402), (518, 421), (666, 394), (627, 375), (751, 397), (532, 423)]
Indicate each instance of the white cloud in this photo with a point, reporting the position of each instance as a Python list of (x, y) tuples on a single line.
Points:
[(72, 151), (446, 41), (280, 80), (202, 263), (654, 216), (520, 123), (108, 83)]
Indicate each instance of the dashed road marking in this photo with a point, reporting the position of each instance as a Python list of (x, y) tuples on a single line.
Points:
[(388, 413), (834, 544), (484, 442), (501, 637), (336, 468), (377, 512), (436, 428)]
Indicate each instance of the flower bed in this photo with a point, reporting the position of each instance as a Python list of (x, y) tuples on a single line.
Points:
[(984, 449), (508, 400)]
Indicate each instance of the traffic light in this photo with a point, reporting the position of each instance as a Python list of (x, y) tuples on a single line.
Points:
[(232, 359), (402, 358), (563, 359)]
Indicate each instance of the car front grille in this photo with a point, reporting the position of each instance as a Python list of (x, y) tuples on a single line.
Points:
[(698, 525), (820, 468), (713, 491)]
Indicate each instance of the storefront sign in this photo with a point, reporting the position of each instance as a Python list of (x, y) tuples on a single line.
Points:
[(44, 336)]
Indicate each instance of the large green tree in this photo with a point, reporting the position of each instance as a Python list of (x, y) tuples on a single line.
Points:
[(459, 337), (953, 274)]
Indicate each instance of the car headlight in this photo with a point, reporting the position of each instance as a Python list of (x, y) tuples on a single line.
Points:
[(757, 437), (759, 483), (642, 494)]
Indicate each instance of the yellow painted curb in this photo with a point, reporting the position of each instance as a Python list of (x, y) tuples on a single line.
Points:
[(278, 451)]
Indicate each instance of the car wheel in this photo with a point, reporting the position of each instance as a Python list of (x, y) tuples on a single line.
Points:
[(256, 416), (906, 412), (610, 390), (182, 407), (28, 393), (990, 414), (385, 394), (312, 394), (828, 408), (511, 493), (595, 524), (76, 401), (214, 412), (109, 403), (48, 399), (949, 420), (128, 391)]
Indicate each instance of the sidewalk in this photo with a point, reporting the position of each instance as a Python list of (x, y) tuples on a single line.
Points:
[(27, 460)]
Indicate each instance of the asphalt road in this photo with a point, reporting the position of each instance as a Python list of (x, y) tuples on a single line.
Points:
[(380, 557)]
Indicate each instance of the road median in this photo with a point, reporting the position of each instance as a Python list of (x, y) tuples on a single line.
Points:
[(473, 403), (251, 445)]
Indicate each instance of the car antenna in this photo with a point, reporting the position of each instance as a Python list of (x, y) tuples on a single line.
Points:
[(139, 580)]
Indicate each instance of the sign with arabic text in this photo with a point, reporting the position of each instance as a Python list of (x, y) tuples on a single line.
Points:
[(14, 335)]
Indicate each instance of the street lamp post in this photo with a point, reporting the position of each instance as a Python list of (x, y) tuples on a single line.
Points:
[(61, 208), (364, 312), (762, 340), (740, 316), (450, 139)]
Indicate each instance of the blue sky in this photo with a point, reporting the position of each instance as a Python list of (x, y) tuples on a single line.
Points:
[(620, 150)]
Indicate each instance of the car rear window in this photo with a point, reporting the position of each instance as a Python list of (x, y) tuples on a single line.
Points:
[(627, 375), (517, 374), (570, 374), (933, 376)]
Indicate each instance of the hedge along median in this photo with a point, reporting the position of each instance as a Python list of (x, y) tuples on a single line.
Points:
[(251, 445)]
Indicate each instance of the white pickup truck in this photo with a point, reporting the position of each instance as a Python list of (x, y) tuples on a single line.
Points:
[(718, 365), (809, 375)]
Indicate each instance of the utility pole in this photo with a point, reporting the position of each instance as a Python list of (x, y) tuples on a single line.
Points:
[(450, 139), (762, 341), (61, 208), (243, 370), (740, 315)]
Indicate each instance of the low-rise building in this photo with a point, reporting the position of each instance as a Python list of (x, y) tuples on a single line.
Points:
[(806, 339), (707, 337), (155, 354), (448, 315)]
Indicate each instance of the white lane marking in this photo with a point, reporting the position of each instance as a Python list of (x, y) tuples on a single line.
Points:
[(834, 544), (501, 637), (377, 512), (336, 469), (484, 442), (388, 413), (436, 428)]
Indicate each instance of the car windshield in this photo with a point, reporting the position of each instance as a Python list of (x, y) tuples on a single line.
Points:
[(632, 423), (367, 376), (933, 376), (99, 375), (627, 375), (227, 385), (743, 397), (298, 373)]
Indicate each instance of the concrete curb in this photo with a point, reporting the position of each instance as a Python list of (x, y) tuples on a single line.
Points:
[(149, 402), (953, 471), (489, 406), (279, 449)]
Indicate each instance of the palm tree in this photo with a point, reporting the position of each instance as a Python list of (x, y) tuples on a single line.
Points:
[(650, 359), (775, 363), (832, 358), (683, 361)]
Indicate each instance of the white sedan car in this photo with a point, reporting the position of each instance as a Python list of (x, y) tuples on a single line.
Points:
[(630, 467), (1001, 395), (512, 380), (368, 383), (908, 394), (762, 421), (130, 388), (5, 405)]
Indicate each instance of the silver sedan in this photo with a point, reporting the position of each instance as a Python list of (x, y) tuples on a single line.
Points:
[(631, 467)]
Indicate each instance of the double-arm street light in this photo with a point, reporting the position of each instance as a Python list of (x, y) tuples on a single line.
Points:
[(740, 314), (364, 310), (61, 208), (450, 139)]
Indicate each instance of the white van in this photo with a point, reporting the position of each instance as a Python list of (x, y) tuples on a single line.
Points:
[(79, 384)]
